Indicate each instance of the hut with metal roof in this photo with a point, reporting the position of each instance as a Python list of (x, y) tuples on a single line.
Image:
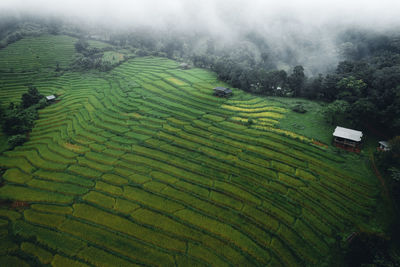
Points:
[(222, 92), (184, 66), (348, 139), (51, 98), (383, 146)]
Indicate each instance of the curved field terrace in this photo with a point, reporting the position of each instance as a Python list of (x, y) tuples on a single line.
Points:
[(142, 165)]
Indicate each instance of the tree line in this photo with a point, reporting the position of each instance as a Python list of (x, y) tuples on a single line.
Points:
[(18, 119), (361, 92)]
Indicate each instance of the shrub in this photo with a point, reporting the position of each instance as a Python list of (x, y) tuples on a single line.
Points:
[(16, 140), (249, 122), (30, 98), (299, 108)]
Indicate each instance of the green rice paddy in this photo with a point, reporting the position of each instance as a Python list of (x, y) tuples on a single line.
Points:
[(143, 166)]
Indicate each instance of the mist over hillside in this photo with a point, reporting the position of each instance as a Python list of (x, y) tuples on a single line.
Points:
[(330, 51), (289, 32)]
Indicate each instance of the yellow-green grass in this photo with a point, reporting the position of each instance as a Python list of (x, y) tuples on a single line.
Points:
[(31, 53), (13, 261), (36, 160), (100, 199), (68, 189), (49, 238), (60, 261), (143, 165), (16, 162), (22, 193), (14, 175), (52, 208), (64, 178), (225, 231), (99, 257), (44, 256), (118, 244), (113, 57), (125, 226), (9, 214)]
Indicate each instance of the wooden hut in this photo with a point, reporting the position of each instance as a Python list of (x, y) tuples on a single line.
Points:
[(222, 92), (383, 146), (347, 139), (184, 66), (50, 98)]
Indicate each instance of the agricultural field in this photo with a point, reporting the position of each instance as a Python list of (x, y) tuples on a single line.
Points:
[(33, 60), (113, 57), (142, 165)]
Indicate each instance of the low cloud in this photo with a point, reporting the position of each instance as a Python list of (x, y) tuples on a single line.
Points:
[(308, 27)]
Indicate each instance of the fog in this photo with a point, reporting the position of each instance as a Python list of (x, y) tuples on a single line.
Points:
[(307, 27)]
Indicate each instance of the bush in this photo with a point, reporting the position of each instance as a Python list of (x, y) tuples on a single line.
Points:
[(249, 122), (299, 108), (81, 45), (16, 140), (30, 98), (16, 121)]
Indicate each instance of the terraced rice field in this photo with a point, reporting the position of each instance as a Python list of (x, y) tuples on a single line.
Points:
[(33, 60), (143, 166)]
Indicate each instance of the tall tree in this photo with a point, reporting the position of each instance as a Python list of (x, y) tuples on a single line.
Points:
[(337, 111), (31, 98), (296, 80)]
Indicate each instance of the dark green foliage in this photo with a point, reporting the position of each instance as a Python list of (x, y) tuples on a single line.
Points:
[(249, 122), (2, 111), (389, 165), (91, 57), (14, 37), (367, 249), (368, 81), (81, 45), (30, 98), (296, 80), (299, 108), (391, 158), (337, 112), (19, 121), (16, 140), (16, 121)]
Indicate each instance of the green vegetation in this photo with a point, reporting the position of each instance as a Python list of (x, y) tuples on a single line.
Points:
[(311, 124), (142, 165), (17, 121)]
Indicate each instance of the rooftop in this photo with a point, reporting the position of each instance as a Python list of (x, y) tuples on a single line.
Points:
[(50, 97), (348, 134), (222, 89), (384, 143)]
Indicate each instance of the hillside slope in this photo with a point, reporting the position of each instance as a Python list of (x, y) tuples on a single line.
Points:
[(142, 165)]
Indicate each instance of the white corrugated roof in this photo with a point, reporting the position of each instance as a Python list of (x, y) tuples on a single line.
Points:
[(384, 143), (50, 97), (348, 134)]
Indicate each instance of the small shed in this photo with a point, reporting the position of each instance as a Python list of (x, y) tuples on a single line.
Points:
[(348, 139), (184, 66), (51, 98), (383, 146), (222, 91)]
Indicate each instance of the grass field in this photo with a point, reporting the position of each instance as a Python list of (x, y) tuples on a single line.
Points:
[(143, 166)]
